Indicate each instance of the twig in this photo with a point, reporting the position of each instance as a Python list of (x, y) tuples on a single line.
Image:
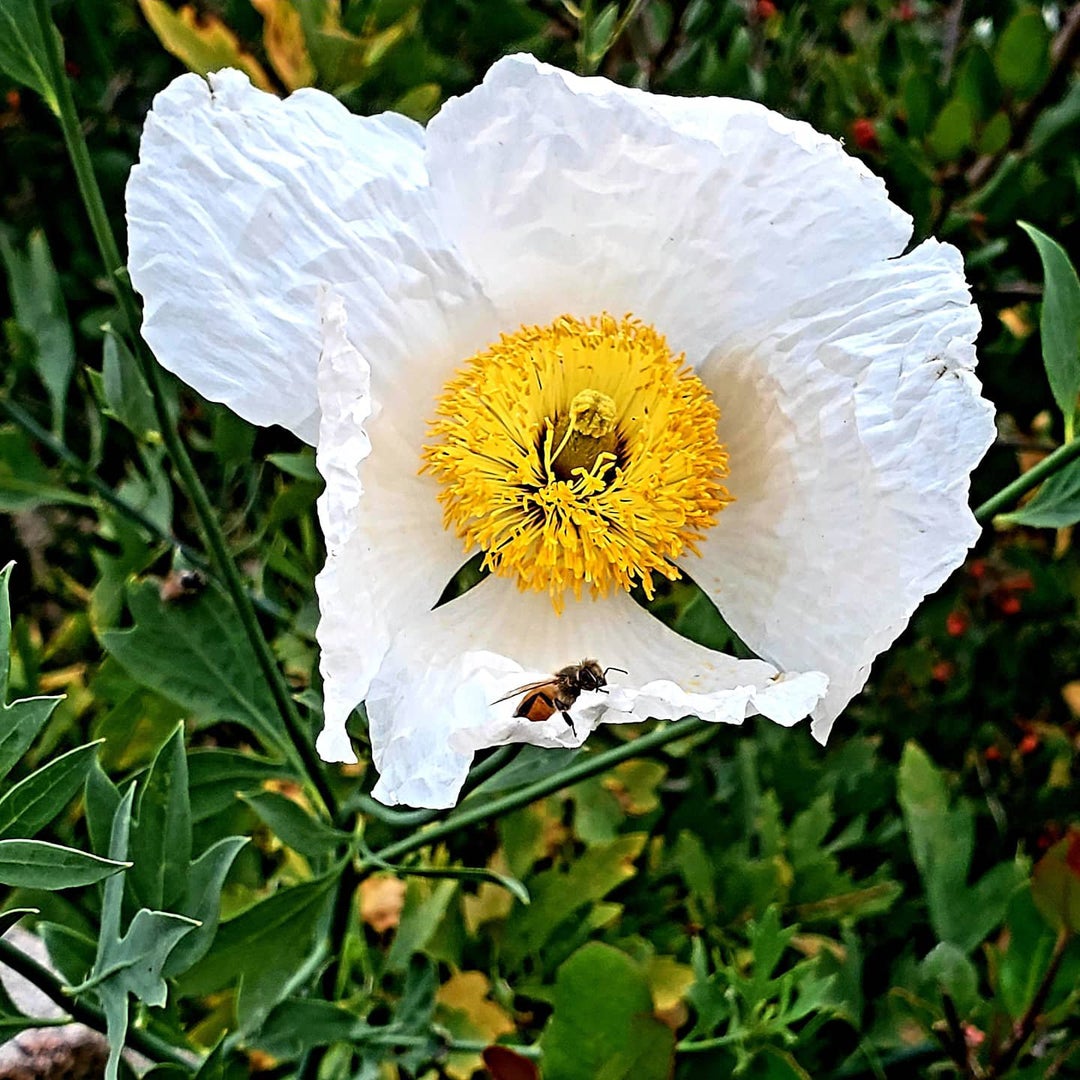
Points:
[(954, 17)]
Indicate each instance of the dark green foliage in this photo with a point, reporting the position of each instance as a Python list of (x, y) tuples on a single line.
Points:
[(737, 902)]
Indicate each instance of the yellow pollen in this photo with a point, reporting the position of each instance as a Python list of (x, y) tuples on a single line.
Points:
[(578, 454)]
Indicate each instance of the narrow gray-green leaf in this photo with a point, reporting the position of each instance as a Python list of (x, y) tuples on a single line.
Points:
[(36, 864), (1059, 323), (161, 834), (32, 803), (203, 902)]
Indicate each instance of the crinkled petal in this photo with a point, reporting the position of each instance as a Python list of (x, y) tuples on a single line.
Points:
[(705, 216), (430, 707), (852, 429), (388, 557), (241, 206)]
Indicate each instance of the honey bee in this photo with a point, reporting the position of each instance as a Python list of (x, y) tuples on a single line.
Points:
[(543, 699)]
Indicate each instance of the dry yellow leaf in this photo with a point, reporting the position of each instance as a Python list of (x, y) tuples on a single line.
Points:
[(202, 42), (468, 1013), (381, 900), (283, 39), (1016, 322)]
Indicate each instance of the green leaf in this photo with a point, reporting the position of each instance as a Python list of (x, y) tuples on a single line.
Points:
[(263, 948), (126, 394), (294, 826), (20, 721), (298, 1024), (1055, 883), (1055, 505), (300, 466), (38, 302), (23, 53), (217, 777), (33, 802), (953, 130), (161, 833), (954, 974), (425, 907), (71, 953), (131, 964), (603, 1023), (202, 902), (35, 864), (197, 655), (1022, 57), (942, 843), (101, 798), (1059, 323)]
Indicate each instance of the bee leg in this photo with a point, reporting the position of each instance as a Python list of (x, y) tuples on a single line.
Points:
[(569, 722)]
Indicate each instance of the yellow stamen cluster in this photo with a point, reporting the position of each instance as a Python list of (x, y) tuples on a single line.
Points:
[(580, 453)]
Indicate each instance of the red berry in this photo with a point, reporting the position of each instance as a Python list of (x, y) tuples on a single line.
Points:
[(992, 753), (864, 134), (1028, 743), (1010, 605), (905, 11), (943, 671), (766, 9), (956, 623), (977, 569)]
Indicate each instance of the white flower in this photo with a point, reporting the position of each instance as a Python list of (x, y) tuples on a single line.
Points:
[(441, 312)]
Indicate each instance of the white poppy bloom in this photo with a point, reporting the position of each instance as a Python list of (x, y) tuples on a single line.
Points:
[(514, 332)]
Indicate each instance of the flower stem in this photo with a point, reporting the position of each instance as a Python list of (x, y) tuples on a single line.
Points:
[(51, 987), (300, 749), (588, 765), (1046, 468)]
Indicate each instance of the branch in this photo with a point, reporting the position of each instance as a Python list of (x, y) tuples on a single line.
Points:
[(1008, 495)]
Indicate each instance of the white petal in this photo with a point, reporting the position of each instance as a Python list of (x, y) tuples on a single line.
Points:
[(703, 216), (389, 344), (240, 206), (852, 430), (430, 707)]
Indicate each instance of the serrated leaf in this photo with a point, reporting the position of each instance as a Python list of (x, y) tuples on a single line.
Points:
[(294, 826), (197, 655), (38, 302), (1055, 505), (20, 721), (36, 864), (1059, 322), (23, 49), (616, 1036), (32, 803), (161, 832), (202, 42)]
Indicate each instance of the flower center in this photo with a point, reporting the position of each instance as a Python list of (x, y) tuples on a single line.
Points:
[(578, 453)]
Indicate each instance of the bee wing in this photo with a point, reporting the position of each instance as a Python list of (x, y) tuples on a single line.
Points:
[(527, 688)]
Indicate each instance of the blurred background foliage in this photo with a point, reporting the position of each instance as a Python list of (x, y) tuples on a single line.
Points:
[(740, 902)]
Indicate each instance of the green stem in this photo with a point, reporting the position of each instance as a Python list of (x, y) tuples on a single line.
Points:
[(588, 765), (51, 987), (301, 749), (1008, 495)]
